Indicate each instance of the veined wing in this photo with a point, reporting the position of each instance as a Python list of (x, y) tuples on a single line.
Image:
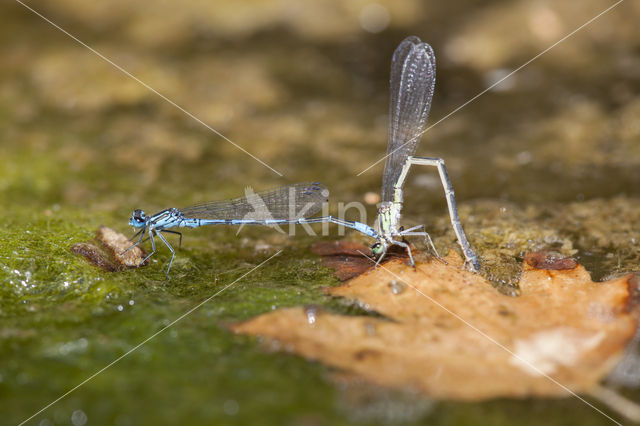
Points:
[(291, 202), (412, 81)]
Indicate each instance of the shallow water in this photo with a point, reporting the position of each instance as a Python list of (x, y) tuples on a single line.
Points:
[(547, 162)]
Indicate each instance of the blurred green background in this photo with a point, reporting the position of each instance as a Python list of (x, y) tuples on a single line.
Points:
[(548, 159)]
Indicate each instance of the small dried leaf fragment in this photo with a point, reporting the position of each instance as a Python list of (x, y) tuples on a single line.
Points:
[(451, 335), (107, 251), (117, 243), (347, 259), (351, 259), (94, 255)]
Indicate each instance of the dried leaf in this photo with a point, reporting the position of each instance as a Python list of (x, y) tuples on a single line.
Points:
[(94, 255), (107, 251), (451, 335), (350, 259), (116, 244)]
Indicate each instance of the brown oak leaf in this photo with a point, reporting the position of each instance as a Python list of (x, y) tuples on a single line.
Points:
[(449, 334)]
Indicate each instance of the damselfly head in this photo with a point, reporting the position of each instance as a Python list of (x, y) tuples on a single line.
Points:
[(138, 219), (379, 248)]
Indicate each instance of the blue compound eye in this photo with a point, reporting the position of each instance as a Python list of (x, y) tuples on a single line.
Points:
[(138, 216)]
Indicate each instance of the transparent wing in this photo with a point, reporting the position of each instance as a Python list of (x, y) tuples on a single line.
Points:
[(286, 202), (413, 78)]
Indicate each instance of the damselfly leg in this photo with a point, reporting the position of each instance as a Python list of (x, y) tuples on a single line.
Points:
[(177, 233), (153, 247), (173, 253), (141, 233), (427, 238)]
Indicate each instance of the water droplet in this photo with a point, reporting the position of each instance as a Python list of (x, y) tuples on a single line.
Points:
[(370, 328), (371, 198), (78, 418), (231, 407), (312, 313), (374, 18), (500, 80), (397, 287)]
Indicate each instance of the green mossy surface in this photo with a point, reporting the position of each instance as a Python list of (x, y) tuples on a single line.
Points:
[(550, 164)]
